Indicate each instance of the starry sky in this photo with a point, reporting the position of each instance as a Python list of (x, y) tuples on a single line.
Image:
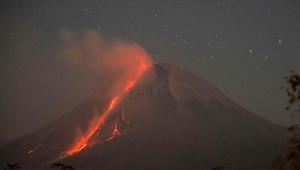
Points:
[(243, 47)]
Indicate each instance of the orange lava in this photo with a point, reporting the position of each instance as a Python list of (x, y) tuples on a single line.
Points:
[(33, 149), (116, 132), (124, 86), (85, 139), (124, 117)]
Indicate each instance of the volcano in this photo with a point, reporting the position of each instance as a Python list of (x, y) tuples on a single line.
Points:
[(171, 119)]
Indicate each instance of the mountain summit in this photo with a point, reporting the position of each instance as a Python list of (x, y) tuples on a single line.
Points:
[(171, 119)]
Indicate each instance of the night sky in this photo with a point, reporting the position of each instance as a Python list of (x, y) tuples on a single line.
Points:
[(243, 47)]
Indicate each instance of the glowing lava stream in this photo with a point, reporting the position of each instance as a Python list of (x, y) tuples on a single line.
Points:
[(115, 132), (34, 149), (84, 140)]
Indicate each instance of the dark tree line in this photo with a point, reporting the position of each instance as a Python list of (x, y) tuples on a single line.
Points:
[(291, 161), (13, 166), (61, 166)]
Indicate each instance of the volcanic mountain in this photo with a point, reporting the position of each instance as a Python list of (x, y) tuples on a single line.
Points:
[(171, 119)]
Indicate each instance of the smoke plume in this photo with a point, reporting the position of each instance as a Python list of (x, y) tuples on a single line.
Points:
[(103, 59)]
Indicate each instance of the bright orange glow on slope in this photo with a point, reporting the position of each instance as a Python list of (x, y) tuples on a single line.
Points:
[(123, 86), (84, 140), (116, 132)]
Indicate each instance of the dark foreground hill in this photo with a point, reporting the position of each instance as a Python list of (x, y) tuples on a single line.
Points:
[(171, 120)]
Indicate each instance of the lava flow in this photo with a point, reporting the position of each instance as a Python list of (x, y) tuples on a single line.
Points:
[(34, 149), (116, 132), (138, 67)]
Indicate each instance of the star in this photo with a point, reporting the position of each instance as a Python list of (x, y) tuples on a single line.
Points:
[(266, 58), (212, 58)]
